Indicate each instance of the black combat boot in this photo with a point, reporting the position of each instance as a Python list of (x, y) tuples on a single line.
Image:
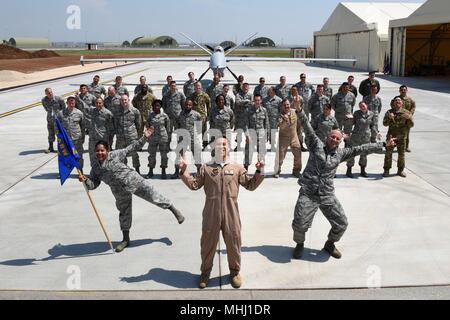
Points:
[(50, 148), (125, 242), (302, 147), (349, 172), (150, 173), (298, 251), (176, 175), (163, 174), (363, 172), (332, 250), (177, 214)]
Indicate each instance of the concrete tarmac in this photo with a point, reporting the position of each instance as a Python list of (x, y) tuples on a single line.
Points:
[(398, 228)]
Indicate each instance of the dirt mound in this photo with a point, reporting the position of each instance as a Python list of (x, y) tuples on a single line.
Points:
[(8, 52), (45, 54)]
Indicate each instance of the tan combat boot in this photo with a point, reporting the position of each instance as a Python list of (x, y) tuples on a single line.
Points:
[(401, 174), (203, 283), (235, 280)]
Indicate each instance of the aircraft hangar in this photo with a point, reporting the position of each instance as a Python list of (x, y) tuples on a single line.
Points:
[(420, 43)]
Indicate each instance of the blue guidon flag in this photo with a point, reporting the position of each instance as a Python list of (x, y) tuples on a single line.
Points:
[(68, 157)]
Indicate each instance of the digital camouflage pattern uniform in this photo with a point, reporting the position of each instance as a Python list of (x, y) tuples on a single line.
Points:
[(188, 121), (159, 140), (100, 128), (315, 105), (73, 122), (342, 105), (126, 124), (97, 90), (364, 129), (257, 122), (323, 125), (124, 182), (374, 104), (283, 91), (262, 90), (113, 105), (317, 187), (52, 107)]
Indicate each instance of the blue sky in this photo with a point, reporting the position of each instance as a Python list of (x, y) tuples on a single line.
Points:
[(285, 21)]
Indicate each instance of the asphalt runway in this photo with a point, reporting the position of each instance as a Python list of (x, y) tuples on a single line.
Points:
[(398, 234)]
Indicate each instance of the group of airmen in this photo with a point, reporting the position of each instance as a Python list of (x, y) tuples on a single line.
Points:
[(268, 111), (304, 118)]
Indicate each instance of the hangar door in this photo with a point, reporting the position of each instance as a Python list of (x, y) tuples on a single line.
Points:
[(363, 46), (427, 50)]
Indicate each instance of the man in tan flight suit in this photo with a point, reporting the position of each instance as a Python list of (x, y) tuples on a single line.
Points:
[(287, 123), (221, 179)]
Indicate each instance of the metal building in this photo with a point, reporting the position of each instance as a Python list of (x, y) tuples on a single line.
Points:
[(163, 41), (30, 43), (420, 43), (359, 30)]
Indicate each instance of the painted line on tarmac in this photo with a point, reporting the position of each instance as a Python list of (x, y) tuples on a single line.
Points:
[(33, 105), (17, 182)]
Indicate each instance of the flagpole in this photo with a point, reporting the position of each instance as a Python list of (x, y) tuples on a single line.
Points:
[(96, 211)]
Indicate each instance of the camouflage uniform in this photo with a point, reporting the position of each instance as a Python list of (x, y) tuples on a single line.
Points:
[(363, 129), (213, 91), (229, 102), (165, 90), (101, 127), (84, 102), (222, 119), (410, 105), (364, 87), (139, 87), (188, 88), (342, 105), (243, 101), (283, 91), (353, 90), (323, 125), (73, 123), (113, 105), (305, 90), (237, 88), (374, 104), (398, 128), (172, 105), (262, 90), (144, 105), (258, 121), (121, 90), (52, 108), (273, 106), (328, 91), (124, 182), (159, 139), (202, 104), (97, 90), (126, 124), (188, 122), (317, 188), (316, 103)]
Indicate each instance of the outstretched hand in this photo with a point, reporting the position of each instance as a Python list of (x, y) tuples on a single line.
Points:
[(391, 142), (182, 164), (260, 165), (148, 132)]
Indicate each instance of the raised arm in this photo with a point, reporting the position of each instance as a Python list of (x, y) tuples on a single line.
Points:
[(251, 183), (191, 182), (311, 138), (135, 146)]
